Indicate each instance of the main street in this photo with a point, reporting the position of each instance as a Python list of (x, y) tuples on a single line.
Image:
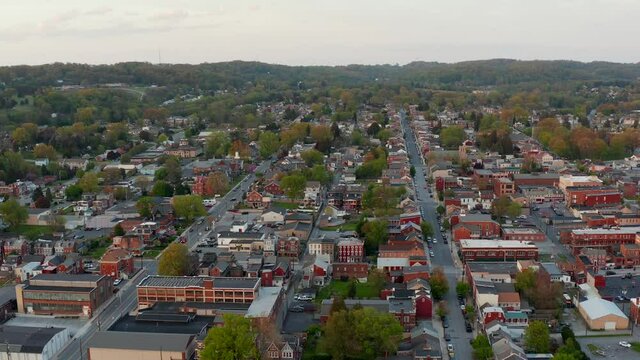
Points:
[(443, 253)]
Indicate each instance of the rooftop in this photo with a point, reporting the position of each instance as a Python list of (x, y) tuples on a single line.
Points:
[(198, 282), (140, 341), (31, 340), (484, 243)]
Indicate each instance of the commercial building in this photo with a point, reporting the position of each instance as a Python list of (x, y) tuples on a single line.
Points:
[(153, 289), (501, 250), (31, 343), (64, 294), (108, 345), (522, 234), (601, 238), (600, 314), (592, 196)]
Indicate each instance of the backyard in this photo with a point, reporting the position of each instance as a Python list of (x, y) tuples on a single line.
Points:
[(284, 205), (363, 290), (349, 226), (33, 232)]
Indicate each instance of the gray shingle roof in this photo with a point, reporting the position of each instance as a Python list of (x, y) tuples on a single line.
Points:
[(140, 341)]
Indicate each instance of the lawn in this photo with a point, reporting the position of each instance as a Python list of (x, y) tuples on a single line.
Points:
[(363, 290), (349, 226), (33, 231), (635, 346), (151, 254), (284, 205), (97, 252)]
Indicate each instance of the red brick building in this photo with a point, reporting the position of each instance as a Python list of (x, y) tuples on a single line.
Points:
[(350, 250), (544, 179), (254, 200), (288, 247), (400, 250), (153, 289), (350, 270), (592, 196), (497, 250), (273, 188), (474, 226), (116, 262), (522, 234), (601, 238), (503, 187)]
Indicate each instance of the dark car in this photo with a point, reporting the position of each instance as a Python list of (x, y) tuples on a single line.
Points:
[(609, 272), (467, 326), (445, 323), (297, 308)]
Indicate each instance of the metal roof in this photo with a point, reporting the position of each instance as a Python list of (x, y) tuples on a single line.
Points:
[(140, 341)]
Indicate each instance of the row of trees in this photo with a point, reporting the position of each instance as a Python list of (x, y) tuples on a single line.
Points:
[(582, 142)]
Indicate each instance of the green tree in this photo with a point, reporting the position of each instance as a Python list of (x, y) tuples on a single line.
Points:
[(73, 192), (312, 157), (173, 170), (218, 144), (351, 291), (463, 289), (293, 185), (375, 233), (337, 305), (89, 183), (268, 143), (118, 230), (412, 171), (188, 206), (451, 137), (361, 333), (439, 283), (13, 213), (536, 337), (446, 224), (162, 188), (426, 228), (442, 310), (235, 340), (174, 260), (525, 280), (482, 348), (144, 205), (376, 279), (440, 210)]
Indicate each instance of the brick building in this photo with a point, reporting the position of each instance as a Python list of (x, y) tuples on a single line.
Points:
[(64, 294), (474, 226), (601, 238), (350, 250), (503, 186), (350, 270), (497, 250), (117, 263), (153, 289), (537, 179), (592, 196), (522, 234)]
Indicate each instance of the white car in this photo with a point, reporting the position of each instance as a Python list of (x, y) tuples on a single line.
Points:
[(117, 282), (624, 344)]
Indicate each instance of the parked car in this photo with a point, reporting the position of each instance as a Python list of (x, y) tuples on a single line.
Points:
[(447, 337), (624, 344), (297, 308), (468, 326), (117, 282), (609, 272), (445, 323)]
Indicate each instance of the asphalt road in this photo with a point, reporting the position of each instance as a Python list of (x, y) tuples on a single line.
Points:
[(121, 303), (443, 252)]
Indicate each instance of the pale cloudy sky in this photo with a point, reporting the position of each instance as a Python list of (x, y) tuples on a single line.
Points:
[(309, 32)]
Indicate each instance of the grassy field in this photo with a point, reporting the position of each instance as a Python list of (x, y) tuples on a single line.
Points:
[(349, 226), (284, 205), (33, 231), (635, 346), (97, 252), (151, 254), (363, 290)]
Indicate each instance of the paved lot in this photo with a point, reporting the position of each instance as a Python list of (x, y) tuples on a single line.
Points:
[(610, 347)]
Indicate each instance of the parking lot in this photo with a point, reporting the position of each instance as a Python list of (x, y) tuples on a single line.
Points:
[(609, 346), (300, 321)]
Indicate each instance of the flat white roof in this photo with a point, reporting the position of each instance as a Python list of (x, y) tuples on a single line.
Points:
[(484, 243), (520, 230), (621, 230), (597, 308)]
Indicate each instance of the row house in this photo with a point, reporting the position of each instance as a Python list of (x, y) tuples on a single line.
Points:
[(288, 247), (350, 270), (322, 247), (64, 247), (117, 263), (503, 187), (18, 246)]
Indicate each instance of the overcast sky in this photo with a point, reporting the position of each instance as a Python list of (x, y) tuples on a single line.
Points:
[(313, 32)]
